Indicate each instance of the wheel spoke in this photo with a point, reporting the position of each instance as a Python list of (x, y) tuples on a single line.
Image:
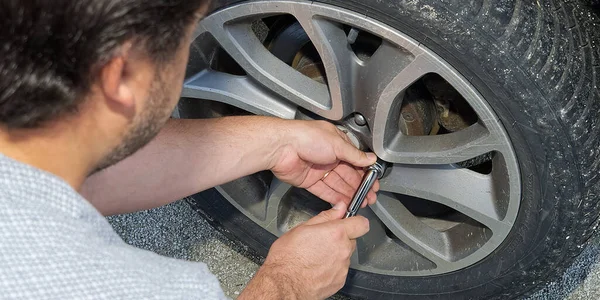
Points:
[(388, 90), (240, 42), (368, 243), (466, 191), (390, 70), (277, 192), (421, 238), (238, 91), (341, 65), (390, 144), (449, 148), (408, 72)]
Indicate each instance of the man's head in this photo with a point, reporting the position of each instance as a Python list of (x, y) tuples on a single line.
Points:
[(121, 61)]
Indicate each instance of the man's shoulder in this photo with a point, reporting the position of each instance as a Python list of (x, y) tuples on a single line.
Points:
[(36, 206), (23, 187), (52, 237), (76, 256)]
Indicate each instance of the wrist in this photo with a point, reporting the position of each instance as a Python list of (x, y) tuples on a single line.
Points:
[(260, 139), (269, 283), (282, 141)]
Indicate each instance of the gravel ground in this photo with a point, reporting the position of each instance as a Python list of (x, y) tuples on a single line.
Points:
[(177, 231)]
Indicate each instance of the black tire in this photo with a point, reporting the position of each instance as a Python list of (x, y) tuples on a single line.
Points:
[(538, 66), (594, 3)]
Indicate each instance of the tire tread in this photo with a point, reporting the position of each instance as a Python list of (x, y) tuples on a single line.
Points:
[(576, 100)]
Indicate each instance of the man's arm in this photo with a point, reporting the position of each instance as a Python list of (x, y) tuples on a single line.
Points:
[(189, 156)]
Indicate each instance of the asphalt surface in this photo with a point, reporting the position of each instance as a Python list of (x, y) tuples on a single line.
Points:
[(177, 231)]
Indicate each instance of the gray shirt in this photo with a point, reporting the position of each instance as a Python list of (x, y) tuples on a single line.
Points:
[(55, 245)]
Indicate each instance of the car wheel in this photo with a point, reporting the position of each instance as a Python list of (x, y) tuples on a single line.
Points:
[(487, 111)]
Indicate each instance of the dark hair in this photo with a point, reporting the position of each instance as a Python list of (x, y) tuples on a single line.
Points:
[(49, 49)]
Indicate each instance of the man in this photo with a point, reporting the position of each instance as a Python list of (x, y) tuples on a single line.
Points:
[(84, 84)]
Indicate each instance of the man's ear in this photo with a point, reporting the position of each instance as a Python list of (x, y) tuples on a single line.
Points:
[(114, 85)]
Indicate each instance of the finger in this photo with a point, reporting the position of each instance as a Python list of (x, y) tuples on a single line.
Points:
[(353, 177), (372, 195), (371, 199), (335, 213), (338, 184), (326, 193), (316, 174), (350, 174), (347, 152), (376, 186), (355, 226)]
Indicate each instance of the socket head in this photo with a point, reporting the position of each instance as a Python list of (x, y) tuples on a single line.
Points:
[(380, 166)]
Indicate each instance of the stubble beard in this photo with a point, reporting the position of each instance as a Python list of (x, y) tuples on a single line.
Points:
[(149, 124)]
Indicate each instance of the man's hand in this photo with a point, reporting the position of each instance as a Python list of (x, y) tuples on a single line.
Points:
[(317, 156), (310, 261)]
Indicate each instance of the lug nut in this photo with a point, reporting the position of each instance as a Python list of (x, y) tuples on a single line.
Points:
[(360, 120)]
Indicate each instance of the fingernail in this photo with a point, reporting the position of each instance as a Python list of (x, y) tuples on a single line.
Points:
[(372, 156), (339, 206)]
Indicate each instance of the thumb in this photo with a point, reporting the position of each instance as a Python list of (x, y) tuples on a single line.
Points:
[(350, 154), (337, 212)]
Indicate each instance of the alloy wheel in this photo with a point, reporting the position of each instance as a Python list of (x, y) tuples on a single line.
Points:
[(452, 193)]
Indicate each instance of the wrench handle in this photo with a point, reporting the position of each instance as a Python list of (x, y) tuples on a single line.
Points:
[(374, 172), (359, 197)]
